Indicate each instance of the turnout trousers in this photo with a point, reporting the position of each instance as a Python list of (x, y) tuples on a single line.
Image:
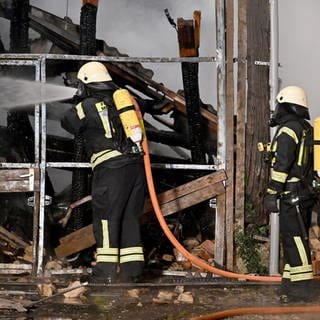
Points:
[(298, 267), (118, 196)]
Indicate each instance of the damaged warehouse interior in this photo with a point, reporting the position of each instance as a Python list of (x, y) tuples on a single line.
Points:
[(205, 221)]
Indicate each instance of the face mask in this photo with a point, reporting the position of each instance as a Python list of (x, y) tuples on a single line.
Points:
[(275, 116), (82, 90)]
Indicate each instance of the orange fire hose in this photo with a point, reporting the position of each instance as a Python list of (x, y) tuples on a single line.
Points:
[(196, 261), (260, 310)]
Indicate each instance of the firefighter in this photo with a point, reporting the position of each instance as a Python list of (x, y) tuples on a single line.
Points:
[(112, 133), (289, 187)]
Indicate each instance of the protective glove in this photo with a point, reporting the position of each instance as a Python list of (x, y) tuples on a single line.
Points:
[(270, 202)]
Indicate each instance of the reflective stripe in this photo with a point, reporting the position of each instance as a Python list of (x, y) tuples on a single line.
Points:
[(107, 251), (271, 191), (301, 277), (301, 250), (80, 111), (104, 117), (100, 106), (289, 132), (131, 258), (301, 269), (130, 250), (102, 156), (278, 176), (294, 179), (301, 149), (105, 234), (107, 259), (106, 254)]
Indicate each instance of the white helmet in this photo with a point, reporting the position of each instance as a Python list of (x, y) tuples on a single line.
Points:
[(93, 72), (293, 94)]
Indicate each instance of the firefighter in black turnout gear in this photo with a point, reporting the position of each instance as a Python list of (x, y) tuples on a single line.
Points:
[(289, 186), (118, 183)]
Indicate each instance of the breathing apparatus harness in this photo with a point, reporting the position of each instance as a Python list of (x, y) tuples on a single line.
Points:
[(118, 115)]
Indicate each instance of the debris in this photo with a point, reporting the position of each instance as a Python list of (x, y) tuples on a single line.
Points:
[(179, 289), (77, 292), (46, 289), (185, 297), (164, 297), (53, 265), (133, 293), (168, 257), (11, 305)]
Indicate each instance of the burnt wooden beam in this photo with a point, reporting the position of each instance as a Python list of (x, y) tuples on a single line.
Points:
[(189, 37)]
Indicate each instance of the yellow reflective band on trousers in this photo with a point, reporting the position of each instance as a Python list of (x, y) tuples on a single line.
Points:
[(301, 250), (80, 112), (131, 254), (107, 254), (278, 176), (303, 272), (286, 272), (102, 156)]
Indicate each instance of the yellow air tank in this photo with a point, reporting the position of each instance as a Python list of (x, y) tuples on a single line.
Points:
[(316, 138), (128, 116)]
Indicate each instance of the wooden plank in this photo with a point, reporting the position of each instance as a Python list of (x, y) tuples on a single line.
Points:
[(192, 199), (19, 180), (187, 188), (75, 242), (14, 240), (84, 238)]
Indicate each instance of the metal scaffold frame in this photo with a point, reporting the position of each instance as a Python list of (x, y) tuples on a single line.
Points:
[(40, 130)]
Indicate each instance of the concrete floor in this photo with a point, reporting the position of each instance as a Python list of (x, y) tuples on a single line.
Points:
[(143, 301)]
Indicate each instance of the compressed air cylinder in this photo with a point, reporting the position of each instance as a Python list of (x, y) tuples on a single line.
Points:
[(316, 138), (128, 115)]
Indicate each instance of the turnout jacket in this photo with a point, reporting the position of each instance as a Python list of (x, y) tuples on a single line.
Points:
[(291, 159), (97, 119)]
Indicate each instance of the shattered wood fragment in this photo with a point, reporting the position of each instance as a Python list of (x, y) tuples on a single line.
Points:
[(28, 254), (208, 246), (185, 297)]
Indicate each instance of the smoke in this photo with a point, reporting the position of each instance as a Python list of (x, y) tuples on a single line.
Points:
[(15, 93)]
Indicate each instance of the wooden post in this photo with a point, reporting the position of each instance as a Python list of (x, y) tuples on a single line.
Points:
[(229, 197), (241, 112), (257, 129), (221, 105)]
